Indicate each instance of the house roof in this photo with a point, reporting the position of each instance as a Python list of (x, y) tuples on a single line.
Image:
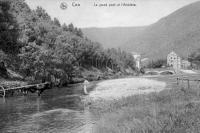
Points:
[(175, 53)]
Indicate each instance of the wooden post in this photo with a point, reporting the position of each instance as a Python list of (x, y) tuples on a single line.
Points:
[(177, 81), (38, 92), (188, 81), (198, 82)]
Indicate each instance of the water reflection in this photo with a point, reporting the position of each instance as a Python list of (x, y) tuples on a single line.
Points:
[(57, 110)]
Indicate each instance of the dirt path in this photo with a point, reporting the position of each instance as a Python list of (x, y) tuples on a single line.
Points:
[(114, 89)]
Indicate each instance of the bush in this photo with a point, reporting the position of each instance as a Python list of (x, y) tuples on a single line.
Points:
[(157, 64), (152, 73)]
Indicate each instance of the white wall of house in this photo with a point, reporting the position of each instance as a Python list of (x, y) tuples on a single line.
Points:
[(173, 60), (185, 64), (138, 63), (137, 58)]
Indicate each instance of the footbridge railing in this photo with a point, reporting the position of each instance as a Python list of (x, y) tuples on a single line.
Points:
[(38, 88)]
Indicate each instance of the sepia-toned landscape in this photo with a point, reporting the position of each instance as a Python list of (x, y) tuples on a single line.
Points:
[(56, 77)]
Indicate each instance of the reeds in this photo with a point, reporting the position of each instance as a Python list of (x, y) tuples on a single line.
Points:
[(174, 110)]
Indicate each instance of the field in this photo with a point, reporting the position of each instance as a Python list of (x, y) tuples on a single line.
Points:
[(171, 110)]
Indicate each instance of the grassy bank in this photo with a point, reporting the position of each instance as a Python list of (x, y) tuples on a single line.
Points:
[(175, 110)]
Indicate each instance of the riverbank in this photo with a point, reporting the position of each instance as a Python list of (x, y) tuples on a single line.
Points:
[(117, 88), (94, 76), (170, 110)]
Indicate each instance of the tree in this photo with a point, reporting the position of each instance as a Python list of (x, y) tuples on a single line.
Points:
[(48, 49), (71, 27), (80, 33), (3, 56), (41, 13), (56, 22), (28, 56), (194, 58), (9, 30), (64, 27), (157, 64)]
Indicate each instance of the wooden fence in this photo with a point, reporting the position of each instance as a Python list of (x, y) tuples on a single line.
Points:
[(182, 81)]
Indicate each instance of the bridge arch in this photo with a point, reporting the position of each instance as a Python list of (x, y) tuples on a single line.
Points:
[(152, 72), (164, 72), (167, 72)]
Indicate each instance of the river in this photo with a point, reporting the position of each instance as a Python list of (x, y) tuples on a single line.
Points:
[(55, 111), (61, 110)]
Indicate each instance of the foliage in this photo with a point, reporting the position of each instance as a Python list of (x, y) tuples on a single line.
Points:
[(49, 49), (157, 64), (3, 56), (9, 29), (195, 56)]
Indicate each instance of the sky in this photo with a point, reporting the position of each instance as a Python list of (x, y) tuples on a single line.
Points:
[(86, 14)]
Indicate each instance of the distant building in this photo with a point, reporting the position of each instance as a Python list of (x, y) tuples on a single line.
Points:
[(185, 64), (175, 61), (137, 58)]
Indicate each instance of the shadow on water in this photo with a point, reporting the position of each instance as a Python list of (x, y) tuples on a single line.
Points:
[(57, 110)]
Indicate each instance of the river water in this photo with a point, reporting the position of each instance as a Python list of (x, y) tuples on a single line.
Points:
[(56, 111), (61, 110)]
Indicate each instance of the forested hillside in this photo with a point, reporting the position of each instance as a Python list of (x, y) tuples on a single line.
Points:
[(112, 37), (179, 31), (37, 46)]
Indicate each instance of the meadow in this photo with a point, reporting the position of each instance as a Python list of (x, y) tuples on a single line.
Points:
[(174, 110)]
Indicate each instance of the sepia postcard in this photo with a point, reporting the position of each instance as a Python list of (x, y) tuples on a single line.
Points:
[(99, 66)]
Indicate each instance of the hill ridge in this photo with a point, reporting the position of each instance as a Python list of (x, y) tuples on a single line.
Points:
[(179, 31)]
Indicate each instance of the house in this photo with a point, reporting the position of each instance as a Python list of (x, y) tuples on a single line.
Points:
[(173, 60), (137, 58), (185, 64)]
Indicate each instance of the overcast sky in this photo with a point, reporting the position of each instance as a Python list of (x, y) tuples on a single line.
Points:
[(144, 13)]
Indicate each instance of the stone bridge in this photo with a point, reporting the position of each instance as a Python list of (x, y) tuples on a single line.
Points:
[(163, 72)]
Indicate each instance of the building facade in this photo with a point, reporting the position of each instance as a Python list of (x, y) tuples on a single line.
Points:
[(137, 58), (173, 60), (185, 64)]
